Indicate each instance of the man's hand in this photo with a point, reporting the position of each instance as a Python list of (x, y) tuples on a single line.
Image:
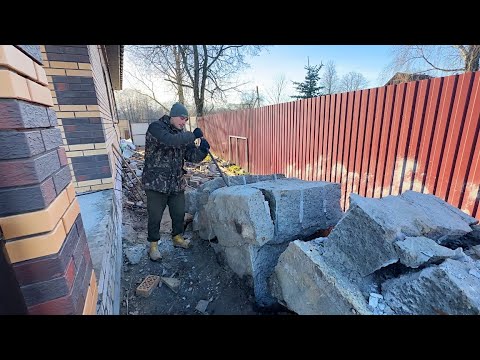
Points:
[(198, 133), (204, 145)]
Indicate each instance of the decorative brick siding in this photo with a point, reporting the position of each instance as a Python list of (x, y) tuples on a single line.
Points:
[(39, 214), (109, 279), (76, 99), (83, 98), (106, 100)]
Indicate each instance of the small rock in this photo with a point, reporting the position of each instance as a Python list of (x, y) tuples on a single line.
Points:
[(202, 306), (171, 282), (373, 299), (476, 249), (135, 253), (474, 273)]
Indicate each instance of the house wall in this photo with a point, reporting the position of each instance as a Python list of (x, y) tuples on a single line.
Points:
[(83, 98), (105, 100), (85, 122), (40, 219)]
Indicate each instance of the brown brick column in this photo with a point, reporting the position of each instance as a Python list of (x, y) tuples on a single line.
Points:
[(39, 215)]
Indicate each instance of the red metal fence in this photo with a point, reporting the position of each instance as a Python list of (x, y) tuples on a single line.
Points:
[(421, 135)]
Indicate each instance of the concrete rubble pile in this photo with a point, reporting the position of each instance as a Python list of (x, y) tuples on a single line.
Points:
[(256, 216), (407, 254)]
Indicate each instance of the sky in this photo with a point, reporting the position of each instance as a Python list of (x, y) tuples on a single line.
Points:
[(290, 60)]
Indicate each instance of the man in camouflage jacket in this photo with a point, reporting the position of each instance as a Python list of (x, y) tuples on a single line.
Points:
[(167, 146)]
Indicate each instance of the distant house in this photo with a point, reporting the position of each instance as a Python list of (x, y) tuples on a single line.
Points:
[(400, 77)]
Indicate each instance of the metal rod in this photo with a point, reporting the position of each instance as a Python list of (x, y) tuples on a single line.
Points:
[(218, 167)]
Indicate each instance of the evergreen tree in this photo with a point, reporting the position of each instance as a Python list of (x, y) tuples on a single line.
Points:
[(310, 87)]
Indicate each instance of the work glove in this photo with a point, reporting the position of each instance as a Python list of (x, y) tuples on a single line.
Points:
[(198, 133), (204, 145)]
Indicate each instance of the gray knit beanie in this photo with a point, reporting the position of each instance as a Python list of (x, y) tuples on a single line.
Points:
[(178, 110)]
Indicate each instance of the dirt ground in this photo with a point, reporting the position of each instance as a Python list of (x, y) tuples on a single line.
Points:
[(201, 275)]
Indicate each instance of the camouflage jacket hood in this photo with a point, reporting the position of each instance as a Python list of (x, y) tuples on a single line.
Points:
[(166, 148)]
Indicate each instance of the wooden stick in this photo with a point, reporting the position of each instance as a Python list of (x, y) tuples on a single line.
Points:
[(130, 169)]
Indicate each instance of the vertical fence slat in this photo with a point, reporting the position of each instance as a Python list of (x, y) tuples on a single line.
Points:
[(305, 139), (303, 127), (348, 145), (401, 161), (285, 138), (331, 119), (309, 166), (384, 140), (316, 121), (336, 131), (320, 117), (454, 134), (377, 124), (368, 99), (353, 146), (279, 149), (433, 102), (341, 137), (393, 139), (440, 134), (467, 171), (415, 136), (367, 177), (298, 147), (326, 112)]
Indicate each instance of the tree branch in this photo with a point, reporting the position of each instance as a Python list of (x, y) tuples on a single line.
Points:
[(183, 84), (435, 67)]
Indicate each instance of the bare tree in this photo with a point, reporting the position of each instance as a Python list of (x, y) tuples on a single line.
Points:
[(251, 99), (207, 70), (353, 81), (330, 80), (137, 107), (145, 83), (165, 61), (276, 93), (210, 68), (435, 60)]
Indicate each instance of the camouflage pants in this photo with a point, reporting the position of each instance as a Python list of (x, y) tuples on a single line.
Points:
[(156, 203)]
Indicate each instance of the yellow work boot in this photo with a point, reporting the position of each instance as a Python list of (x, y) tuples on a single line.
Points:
[(179, 241), (154, 253)]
